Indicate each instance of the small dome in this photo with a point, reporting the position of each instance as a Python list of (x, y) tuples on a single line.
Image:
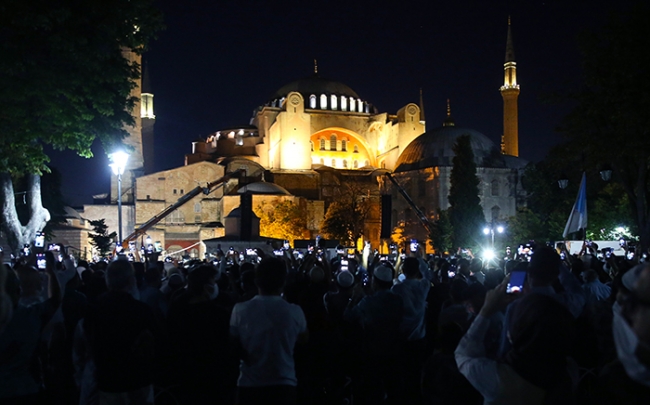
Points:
[(263, 187), (434, 148), (315, 85)]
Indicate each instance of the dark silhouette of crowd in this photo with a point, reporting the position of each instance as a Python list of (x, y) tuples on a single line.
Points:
[(327, 328)]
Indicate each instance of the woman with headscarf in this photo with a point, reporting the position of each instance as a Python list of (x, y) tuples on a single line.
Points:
[(535, 370)]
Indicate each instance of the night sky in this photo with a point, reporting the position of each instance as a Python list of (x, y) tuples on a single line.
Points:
[(218, 60)]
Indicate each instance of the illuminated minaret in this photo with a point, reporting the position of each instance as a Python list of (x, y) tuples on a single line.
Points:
[(510, 93)]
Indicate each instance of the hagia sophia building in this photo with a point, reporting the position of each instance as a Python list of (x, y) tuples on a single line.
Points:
[(303, 144)]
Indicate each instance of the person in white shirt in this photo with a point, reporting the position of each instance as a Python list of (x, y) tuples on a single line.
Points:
[(265, 331)]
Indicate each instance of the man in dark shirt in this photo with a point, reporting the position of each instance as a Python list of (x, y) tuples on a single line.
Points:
[(120, 332), (379, 316)]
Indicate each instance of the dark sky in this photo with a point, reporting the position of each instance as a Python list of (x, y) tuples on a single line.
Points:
[(218, 60)]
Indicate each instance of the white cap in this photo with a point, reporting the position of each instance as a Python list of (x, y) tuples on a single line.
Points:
[(384, 273), (345, 279)]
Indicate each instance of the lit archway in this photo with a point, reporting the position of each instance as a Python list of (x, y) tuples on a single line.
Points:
[(353, 147)]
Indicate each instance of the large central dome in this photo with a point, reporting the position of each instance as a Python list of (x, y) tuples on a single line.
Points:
[(315, 85)]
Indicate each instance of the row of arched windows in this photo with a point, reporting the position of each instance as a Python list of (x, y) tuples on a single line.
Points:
[(334, 146), (344, 163), (336, 102)]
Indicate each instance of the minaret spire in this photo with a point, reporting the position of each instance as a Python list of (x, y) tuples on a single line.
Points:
[(421, 106), (510, 94), (448, 122)]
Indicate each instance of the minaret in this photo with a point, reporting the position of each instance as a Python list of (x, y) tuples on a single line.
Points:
[(448, 122), (510, 93), (148, 121), (135, 165), (423, 120)]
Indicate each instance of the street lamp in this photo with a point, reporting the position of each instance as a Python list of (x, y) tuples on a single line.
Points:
[(119, 160), (492, 229)]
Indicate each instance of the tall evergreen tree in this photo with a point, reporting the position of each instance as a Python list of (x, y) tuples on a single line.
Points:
[(100, 239), (465, 212)]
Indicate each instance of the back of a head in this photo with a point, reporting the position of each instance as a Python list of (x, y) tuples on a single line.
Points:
[(456, 290), (590, 275), (152, 276), (476, 265), (539, 317), (411, 267), (463, 266), (270, 275), (544, 265), (200, 277), (119, 275), (316, 275)]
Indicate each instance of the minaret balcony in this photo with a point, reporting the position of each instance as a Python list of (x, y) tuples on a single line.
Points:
[(509, 87)]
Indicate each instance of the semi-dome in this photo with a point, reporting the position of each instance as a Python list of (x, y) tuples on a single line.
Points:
[(263, 187), (315, 85), (434, 148)]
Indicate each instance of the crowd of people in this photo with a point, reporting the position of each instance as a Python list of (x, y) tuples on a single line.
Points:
[(327, 328)]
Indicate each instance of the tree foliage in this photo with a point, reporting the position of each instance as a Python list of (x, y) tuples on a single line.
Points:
[(346, 216), (548, 207), (100, 239), (283, 220), (465, 212), (66, 77), (609, 123), (441, 235)]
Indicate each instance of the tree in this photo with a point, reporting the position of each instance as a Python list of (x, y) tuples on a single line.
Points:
[(346, 216), (442, 232), (465, 212), (66, 77), (609, 122), (283, 220), (99, 238)]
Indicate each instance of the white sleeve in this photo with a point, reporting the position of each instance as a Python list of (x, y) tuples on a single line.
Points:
[(479, 370), (234, 322)]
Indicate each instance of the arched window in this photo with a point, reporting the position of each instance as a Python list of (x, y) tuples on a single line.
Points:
[(323, 102), (356, 149), (345, 164), (176, 217), (366, 108), (334, 102), (496, 211), (344, 103), (239, 141), (356, 164), (312, 101), (281, 102), (322, 143), (333, 162), (322, 161), (197, 207), (333, 142), (495, 188), (344, 145), (359, 105), (311, 144), (366, 163), (353, 104)]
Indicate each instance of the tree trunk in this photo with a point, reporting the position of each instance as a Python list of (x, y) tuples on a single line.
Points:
[(18, 234)]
